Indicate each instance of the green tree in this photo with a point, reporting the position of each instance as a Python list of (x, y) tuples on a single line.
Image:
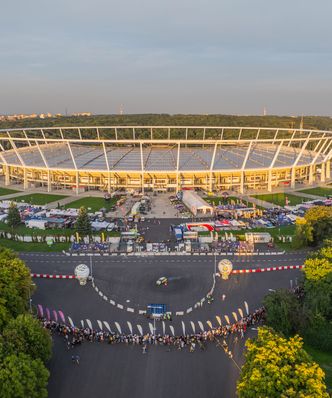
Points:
[(320, 218), (83, 225), (318, 284), (303, 233), (13, 218), (15, 286), (25, 334), (279, 367), (282, 311), (22, 377)]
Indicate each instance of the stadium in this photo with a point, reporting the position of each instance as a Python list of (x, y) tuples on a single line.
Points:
[(164, 158)]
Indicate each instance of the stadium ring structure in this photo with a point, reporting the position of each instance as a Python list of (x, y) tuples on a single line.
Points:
[(164, 158)]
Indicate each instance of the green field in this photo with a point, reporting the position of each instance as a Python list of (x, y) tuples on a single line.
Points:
[(24, 231), (33, 247), (95, 204), (324, 359), (280, 198), (6, 191), (225, 201), (39, 198), (319, 191), (287, 230)]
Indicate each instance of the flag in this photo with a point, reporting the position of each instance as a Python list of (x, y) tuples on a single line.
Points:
[(55, 315), (40, 310), (62, 316)]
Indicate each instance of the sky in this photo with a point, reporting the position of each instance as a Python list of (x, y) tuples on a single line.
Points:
[(175, 56)]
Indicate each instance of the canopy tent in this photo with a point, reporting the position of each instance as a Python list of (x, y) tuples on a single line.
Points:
[(196, 204)]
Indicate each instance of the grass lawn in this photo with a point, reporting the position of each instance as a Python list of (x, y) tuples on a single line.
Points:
[(324, 359), (24, 231), (287, 230), (39, 198), (225, 201), (33, 247), (319, 191), (280, 199), (95, 204), (6, 191)]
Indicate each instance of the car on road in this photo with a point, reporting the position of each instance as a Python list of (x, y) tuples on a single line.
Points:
[(162, 281)]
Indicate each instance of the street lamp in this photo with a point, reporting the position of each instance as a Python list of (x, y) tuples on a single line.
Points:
[(30, 299), (91, 268)]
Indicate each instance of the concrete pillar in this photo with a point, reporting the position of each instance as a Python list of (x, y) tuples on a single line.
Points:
[(77, 182), (322, 174), (142, 182), (269, 181), (7, 175), (311, 175), (293, 174), (109, 188), (328, 169), (49, 185), (242, 182), (25, 179)]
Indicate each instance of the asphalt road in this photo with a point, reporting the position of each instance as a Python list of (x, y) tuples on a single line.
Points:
[(120, 371)]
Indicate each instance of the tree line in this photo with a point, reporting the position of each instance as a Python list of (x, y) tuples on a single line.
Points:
[(309, 122), (25, 347), (276, 363)]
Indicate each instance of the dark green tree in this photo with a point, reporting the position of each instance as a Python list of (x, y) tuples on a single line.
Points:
[(283, 311), (13, 218), (25, 334), (22, 376), (83, 224)]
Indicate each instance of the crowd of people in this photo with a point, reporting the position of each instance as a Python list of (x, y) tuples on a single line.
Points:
[(74, 336)]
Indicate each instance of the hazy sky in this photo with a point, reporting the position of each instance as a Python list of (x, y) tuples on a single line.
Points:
[(175, 56)]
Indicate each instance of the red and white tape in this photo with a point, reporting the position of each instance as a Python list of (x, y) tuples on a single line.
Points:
[(235, 271), (268, 269), (50, 276)]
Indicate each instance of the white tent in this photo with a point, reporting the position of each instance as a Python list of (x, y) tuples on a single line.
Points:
[(195, 203)]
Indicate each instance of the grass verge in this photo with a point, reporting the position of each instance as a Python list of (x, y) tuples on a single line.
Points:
[(226, 201), (319, 191), (24, 231), (324, 359), (95, 204), (279, 199), (7, 191), (33, 247), (39, 199)]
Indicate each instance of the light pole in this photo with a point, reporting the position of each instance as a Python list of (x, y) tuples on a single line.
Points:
[(30, 299), (91, 267)]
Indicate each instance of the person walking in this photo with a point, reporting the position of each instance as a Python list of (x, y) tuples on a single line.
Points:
[(75, 359)]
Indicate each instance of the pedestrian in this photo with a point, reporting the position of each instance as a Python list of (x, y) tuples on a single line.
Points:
[(144, 349), (223, 297), (75, 359)]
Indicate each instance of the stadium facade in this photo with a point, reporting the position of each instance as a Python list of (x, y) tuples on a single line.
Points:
[(164, 158)]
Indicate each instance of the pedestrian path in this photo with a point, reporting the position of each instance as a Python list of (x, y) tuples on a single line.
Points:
[(307, 195)]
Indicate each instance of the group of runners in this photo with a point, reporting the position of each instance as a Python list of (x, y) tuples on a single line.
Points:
[(74, 336)]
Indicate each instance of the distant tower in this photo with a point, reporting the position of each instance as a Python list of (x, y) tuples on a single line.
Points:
[(264, 111), (301, 123), (121, 110)]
